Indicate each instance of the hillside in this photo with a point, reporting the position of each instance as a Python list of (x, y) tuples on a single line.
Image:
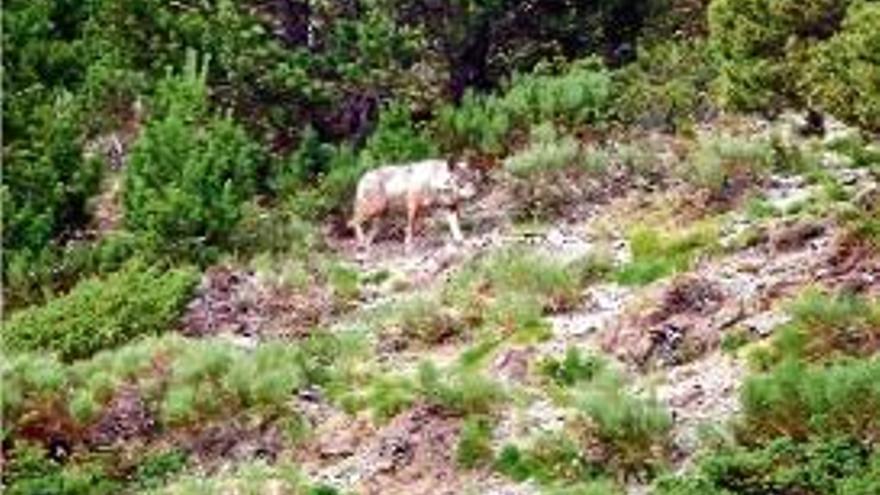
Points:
[(669, 281)]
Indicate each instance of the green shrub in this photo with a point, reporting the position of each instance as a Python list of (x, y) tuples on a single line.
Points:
[(30, 471), (210, 379), (783, 466), (99, 314), (247, 478), (825, 326), (655, 255), (45, 187), (804, 402), (512, 275), (474, 443), (576, 96), (667, 86), (592, 267), (760, 44), (189, 172), (819, 53), (553, 173), (157, 468), (601, 487), (864, 483), (268, 232), (573, 368), (633, 431), (397, 139), (32, 278), (548, 458), (198, 382), (46, 181), (462, 392), (547, 151), (726, 166), (386, 396), (334, 191), (30, 380), (423, 320), (842, 74), (858, 149), (306, 163), (477, 123)]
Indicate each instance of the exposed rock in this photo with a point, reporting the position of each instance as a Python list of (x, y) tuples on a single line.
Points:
[(232, 441), (702, 393), (513, 365), (796, 236), (680, 327), (414, 453), (853, 266)]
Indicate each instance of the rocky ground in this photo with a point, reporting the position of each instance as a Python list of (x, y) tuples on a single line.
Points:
[(666, 336)]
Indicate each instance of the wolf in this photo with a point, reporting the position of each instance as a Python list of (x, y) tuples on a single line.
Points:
[(416, 186)]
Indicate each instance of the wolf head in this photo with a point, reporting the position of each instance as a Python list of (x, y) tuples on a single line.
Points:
[(463, 178)]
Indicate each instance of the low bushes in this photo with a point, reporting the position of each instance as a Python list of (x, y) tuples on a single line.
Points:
[(547, 151), (573, 368), (611, 433), (579, 95), (102, 313), (30, 470), (629, 434), (655, 255), (826, 326), (461, 392), (253, 477), (422, 320), (182, 384), (549, 458), (475, 443), (802, 402), (666, 87), (837, 466), (805, 426), (512, 271), (726, 166), (33, 278), (552, 173)]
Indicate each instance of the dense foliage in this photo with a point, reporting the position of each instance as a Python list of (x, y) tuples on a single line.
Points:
[(99, 314), (820, 53), (190, 172)]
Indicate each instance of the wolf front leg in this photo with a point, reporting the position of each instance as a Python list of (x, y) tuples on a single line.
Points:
[(454, 227), (358, 232), (412, 214)]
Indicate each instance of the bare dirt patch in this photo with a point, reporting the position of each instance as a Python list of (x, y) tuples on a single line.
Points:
[(238, 302), (126, 417), (853, 266), (413, 453)]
